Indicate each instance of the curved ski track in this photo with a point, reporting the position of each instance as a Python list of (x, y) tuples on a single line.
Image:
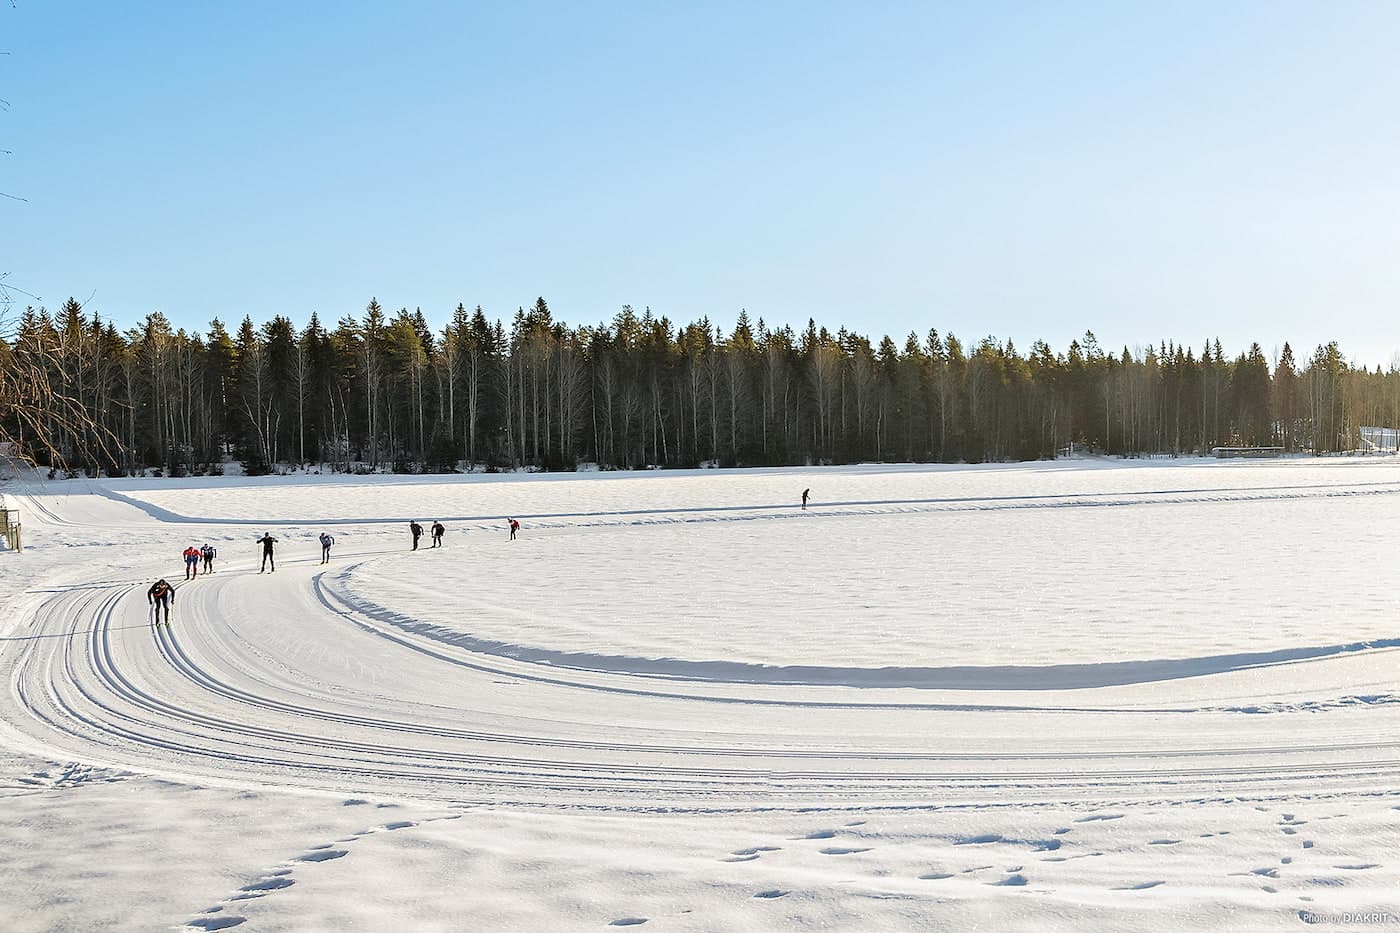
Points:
[(281, 679)]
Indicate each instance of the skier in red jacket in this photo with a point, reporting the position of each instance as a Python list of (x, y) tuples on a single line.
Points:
[(192, 557)]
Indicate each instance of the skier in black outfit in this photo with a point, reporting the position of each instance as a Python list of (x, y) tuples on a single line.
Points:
[(161, 595), (437, 534), (417, 531), (326, 542), (208, 552), (805, 494), (267, 541)]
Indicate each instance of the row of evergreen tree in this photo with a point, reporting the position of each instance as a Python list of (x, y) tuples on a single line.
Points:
[(383, 391)]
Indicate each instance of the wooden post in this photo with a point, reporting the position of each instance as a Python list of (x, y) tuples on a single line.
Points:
[(11, 529)]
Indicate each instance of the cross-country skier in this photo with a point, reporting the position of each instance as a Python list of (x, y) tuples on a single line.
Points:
[(191, 562), (209, 552), (161, 595), (437, 534), (326, 542), (514, 527), (805, 494), (267, 541), (416, 530)]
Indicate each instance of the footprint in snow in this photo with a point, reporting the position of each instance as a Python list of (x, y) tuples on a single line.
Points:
[(1140, 887), (628, 922), (1070, 858), (262, 888), (73, 775), (324, 855), (754, 850), (740, 858), (1010, 881), (935, 876), (1100, 817), (269, 884), (770, 895), (821, 834), (982, 840), (400, 824), (216, 923), (1364, 867), (841, 850)]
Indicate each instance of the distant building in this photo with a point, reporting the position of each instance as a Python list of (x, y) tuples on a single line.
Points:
[(1380, 438)]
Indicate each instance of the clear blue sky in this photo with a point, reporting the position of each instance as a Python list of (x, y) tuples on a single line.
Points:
[(1170, 170)]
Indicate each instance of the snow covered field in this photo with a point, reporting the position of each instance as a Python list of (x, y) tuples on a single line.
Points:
[(1084, 695)]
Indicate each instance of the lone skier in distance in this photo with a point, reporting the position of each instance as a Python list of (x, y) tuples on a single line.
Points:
[(514, 527), (805, 494), (161, 595), (437, 534), (326, 542), (416, 530), (267, 541)]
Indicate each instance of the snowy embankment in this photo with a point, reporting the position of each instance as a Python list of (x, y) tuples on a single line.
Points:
[(1031, 697)]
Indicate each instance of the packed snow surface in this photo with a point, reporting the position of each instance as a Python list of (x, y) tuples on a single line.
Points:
[(1044, 696)]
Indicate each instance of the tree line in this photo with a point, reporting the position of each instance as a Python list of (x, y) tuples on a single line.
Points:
[(382, 391)]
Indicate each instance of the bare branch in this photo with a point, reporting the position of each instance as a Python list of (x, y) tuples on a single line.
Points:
[(34, 398), (6, 288)]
